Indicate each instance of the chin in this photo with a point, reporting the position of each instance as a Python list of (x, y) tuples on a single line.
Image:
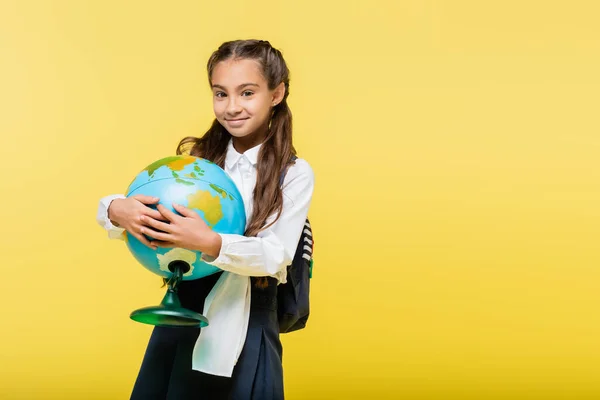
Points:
[(238, 134)]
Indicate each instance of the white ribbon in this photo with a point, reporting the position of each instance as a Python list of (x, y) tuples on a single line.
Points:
[(227, 308)]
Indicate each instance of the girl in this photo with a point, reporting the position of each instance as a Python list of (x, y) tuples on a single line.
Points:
[(239, 355)]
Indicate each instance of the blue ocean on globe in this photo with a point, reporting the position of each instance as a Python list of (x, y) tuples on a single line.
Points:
[(200, 185)]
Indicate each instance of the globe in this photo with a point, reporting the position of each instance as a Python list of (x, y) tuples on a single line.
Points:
[(203, 187), (200, 185)]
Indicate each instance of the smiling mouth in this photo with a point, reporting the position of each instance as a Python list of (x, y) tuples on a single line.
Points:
[(238, 119)]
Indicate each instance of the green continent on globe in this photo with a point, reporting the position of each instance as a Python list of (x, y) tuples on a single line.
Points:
[(211, 205), (199, 170), (219, 190), (175, 163), (184, 182)]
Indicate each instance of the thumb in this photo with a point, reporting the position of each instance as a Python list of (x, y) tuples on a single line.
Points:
[(186, 212), (146, 199)]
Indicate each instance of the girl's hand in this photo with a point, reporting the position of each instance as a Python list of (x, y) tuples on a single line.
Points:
[(127, 213), (188, 231)]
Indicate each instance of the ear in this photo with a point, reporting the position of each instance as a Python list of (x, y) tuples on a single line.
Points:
[(278, 94)]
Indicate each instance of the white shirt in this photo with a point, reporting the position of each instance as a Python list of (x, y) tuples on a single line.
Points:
[(227, 306)]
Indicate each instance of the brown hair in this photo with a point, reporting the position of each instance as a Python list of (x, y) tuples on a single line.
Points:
[(276, 152)]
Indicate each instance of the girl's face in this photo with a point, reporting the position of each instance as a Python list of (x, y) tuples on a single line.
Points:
[(242, 101)]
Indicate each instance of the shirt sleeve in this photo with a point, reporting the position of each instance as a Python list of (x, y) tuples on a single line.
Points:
[(273, 249), (114, 232)]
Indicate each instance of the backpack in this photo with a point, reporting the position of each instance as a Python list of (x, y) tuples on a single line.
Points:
[(293, 305)]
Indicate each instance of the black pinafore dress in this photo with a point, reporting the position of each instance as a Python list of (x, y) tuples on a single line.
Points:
[(166, 372)]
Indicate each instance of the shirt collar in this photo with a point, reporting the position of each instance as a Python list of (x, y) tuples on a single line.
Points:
[(233, 157)]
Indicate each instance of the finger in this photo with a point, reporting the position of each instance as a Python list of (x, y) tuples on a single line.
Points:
[(161, 226), (168, 214), (155, 234), (143, 240), (152, 213), (159, 243), (146, 199), (186, 212)]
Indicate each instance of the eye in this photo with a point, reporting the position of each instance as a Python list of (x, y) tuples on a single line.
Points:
[(247, 93), (220, 94)]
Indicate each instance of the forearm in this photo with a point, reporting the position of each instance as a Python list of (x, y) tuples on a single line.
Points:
[(250, 256), (213, 247)]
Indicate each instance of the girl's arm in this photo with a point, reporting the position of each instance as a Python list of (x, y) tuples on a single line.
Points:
[(273, 249)]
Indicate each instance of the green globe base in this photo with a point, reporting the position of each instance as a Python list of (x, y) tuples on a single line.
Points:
[(169, 316), (170, 312)]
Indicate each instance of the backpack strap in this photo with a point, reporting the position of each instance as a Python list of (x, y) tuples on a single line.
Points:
[(282, 177), (308, 246)]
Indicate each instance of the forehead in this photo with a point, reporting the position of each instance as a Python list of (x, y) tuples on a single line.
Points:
[(232, 73)]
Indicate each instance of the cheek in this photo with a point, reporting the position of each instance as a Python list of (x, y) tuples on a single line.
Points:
[(218, 108), (260, 108)]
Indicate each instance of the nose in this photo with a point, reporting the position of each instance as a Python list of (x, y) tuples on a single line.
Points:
[(233, 106)]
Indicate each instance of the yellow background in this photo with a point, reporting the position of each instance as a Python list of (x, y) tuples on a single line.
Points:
[(456, 149)]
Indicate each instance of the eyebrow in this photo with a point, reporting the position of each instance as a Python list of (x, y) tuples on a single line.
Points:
[(239, 87)]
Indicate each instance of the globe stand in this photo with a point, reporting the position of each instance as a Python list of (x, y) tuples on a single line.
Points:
[(170, 312)]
